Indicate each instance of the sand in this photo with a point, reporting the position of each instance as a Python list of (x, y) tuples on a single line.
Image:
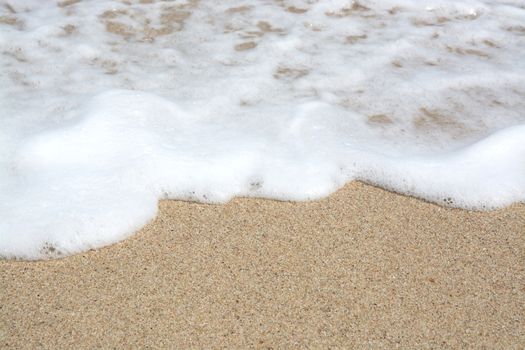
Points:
[(362, 268)]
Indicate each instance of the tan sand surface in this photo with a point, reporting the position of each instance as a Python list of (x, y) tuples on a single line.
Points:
[(363, 268)]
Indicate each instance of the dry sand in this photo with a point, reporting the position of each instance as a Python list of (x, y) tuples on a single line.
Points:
[(363, 268)]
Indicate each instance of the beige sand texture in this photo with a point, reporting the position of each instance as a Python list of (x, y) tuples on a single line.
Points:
[(364, 268)]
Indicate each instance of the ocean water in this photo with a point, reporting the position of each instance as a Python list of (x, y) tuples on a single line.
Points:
[(108, 106)]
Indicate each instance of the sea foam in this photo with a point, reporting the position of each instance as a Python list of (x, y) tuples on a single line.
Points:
[(108, 106)]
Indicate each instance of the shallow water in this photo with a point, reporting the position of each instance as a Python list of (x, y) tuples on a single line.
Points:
[(108, 106)]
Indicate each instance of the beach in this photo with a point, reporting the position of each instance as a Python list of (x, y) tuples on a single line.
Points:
[(198, 174), (362, 268)]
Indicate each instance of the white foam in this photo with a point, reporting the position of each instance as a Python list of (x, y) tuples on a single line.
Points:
[(108, 106)]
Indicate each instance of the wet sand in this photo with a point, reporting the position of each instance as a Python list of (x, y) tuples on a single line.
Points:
[(362, 268)]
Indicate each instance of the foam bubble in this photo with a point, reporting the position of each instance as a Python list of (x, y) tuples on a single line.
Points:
[(109, 106)]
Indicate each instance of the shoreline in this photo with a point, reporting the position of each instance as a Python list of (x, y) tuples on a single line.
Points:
[(362, 267)]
